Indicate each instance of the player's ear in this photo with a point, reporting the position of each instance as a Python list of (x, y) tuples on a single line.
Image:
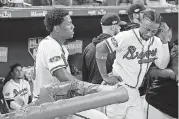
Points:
[(56, 28), (112, 27), (136, 16), (141, 21), (12, 74)]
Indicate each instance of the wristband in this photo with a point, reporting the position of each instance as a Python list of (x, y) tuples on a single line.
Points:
[(100, 55)]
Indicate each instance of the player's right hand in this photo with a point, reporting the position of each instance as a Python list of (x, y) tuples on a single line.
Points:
[(112, 80), (165, 34)]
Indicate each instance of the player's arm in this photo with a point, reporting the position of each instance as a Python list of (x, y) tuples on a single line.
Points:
[(89, 88), (62, 75), (163, 53), (57, 64), (163, 56), (102, 50), (15, 106), (164, 73)]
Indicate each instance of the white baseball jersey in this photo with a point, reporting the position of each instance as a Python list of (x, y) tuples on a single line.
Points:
[(50, 57), (133, 55), (12, 89)]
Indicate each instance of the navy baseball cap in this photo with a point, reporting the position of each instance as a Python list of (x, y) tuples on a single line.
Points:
[(111, 19), (136, 8)]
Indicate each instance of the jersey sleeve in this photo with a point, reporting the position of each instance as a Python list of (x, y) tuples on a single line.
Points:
[(114, 43), (55, 59), (162, 55), (8, 92)]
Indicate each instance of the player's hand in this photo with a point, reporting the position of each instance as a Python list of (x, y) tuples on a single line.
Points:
[(165, 34), (112, 80), (18, 99)]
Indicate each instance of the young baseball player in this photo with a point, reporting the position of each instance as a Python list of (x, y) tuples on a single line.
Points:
[(51, 60)]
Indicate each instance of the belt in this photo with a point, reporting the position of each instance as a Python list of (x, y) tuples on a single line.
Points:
[(130, 86), (122, 83), (120, 80)]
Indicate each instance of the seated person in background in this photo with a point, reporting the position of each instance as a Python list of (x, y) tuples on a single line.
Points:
[(124, 2), (62, 2), (3, 3), (17, 3), (158, 3), (41, 2), (162, 95), (17, 90)]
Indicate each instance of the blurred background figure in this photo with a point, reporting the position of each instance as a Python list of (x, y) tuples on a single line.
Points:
[(159, 3), (62, 2), (16, 89), (41, 2), (162, 96), (16, 3)]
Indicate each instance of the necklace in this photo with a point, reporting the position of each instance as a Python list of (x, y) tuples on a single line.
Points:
[(140, 41)]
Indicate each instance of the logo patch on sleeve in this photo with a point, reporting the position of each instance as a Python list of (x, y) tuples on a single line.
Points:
[(54, 59), (7, 94), (15, 92), (114, 42)]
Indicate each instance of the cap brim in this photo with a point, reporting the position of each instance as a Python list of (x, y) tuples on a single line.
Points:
[(143, 10), (122, 23)]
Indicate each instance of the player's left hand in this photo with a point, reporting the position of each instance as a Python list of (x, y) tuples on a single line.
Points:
[(165, 34), (18, 99)]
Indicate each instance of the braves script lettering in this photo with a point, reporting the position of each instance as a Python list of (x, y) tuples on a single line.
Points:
[(21, 92), (144, 57)]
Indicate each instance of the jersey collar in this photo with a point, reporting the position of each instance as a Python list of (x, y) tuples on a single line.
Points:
[(17, 84)]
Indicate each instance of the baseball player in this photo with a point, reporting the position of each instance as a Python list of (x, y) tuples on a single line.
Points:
[(51, 60), (136, 50), (17, 91)]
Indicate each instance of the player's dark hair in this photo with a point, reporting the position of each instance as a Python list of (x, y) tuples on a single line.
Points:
[(14, 66), (9, 74), (152, 16), (130, 16), (54, 17)]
